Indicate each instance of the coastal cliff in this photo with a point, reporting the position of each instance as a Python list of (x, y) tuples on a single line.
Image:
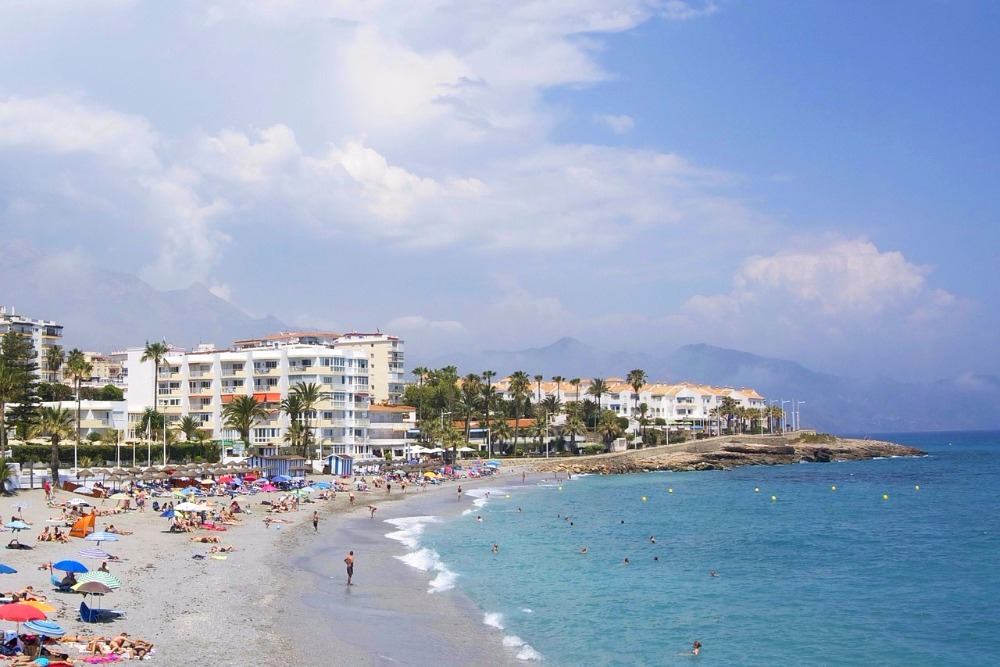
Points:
[(724, 453)]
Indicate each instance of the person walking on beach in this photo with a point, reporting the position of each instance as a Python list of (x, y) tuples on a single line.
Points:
[(459, 491), (349, 561), (350, 497), (316, 521), (373, 510)]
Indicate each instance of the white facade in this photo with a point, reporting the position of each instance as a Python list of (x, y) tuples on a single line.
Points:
[(199, 384), (96, 416), (43, 334)]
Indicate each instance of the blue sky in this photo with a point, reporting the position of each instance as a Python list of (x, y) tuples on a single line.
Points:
[(810, 180)]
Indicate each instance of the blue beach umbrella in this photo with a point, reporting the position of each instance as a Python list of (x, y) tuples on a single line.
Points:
[(17, 525), (281, 478), (44, 628), (7, 569), (70, 566), (168, 514), (322, 485), (101, 536)]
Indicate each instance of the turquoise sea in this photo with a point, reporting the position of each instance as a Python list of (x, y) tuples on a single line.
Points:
[(898, 565)]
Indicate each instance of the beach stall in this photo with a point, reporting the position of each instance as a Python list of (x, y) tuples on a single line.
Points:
[(340, 464)]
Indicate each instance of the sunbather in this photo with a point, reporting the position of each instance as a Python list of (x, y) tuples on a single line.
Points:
[(222, 550), (205, 539)]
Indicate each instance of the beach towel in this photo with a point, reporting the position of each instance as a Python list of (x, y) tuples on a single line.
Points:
[(100, 659)]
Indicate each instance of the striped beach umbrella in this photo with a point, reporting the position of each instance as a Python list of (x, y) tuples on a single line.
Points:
[(44, 628), (106, 578), (101, 536), (94, 553)]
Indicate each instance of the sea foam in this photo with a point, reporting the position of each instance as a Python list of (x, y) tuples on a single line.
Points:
[(494, 620), (525, 651)]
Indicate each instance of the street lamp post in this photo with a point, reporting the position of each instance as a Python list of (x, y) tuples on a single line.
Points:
[(798, 416), (784, 419)]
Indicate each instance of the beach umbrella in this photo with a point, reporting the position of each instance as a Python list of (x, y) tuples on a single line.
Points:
[(269, 488), (119, 496), (281, 478), (101, 536), (84, 490), (226, 479), (17, 525), (78, 502), (7, 569), (94, 553), (322, 485), (41, 606), (85, 473), (70, 566), (168, 514), (20, 612), (187, 507), (106, 578), (20, 506), (44, 628), (93, 587)]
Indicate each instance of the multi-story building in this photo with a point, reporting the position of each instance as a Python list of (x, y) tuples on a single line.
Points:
[(682, 406), (201, 383), (96, 417), (43, 334), (386, 374)]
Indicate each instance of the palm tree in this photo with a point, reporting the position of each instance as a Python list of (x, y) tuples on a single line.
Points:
[(311, 395), (291, 405), (487, 401), (6, 475), (558, 379), (598, 387), (518, 389), (574, 426), (636, 378), (78, 369), (151, 421), (54, 358), (189, 426), (470, 399), (643, 420), (538, 382), (501, 430), (727, 409), (9, 383), (56, 423), (242, 414), (609, 428), (576, 383), (551, 405), (155, 352)]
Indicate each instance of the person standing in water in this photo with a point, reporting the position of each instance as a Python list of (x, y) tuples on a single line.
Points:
[(696, 647)]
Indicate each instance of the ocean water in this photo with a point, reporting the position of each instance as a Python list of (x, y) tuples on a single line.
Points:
[(898, 565)]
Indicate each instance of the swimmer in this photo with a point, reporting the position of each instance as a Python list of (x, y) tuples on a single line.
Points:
[(495, 548), (623, 522), (656, 559), (583, 550), (713, 573), (479, 519), (652, 540), (626, 560), (696, 647)]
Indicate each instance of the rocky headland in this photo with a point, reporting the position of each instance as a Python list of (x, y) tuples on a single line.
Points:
[(723, 453)]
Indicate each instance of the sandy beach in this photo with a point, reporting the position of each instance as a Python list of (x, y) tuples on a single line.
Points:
[(281, 597)]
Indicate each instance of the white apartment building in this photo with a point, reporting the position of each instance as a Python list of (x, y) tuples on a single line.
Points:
[(43, 334), (683, 406), (202, 382), (96, 417), (386, 374)]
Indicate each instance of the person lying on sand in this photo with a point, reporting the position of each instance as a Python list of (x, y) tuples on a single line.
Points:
[(222, 550), (205, 539)]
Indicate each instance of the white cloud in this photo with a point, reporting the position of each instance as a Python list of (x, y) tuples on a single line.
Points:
[(416, 324), (64, 124), (619, 124)]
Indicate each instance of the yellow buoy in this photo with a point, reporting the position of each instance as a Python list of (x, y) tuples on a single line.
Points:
[(644, 499), (917, 487), (508, 496), (885, 496), (670, 490), (833, 488), (774, 497), (560, 488), (756, 490)]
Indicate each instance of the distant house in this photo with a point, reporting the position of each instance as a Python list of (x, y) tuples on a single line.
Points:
[(273, 464)]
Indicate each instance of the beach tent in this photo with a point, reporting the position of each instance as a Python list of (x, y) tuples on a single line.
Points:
[(84, 526)]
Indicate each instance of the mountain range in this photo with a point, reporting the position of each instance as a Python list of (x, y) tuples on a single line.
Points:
[(104, 310)]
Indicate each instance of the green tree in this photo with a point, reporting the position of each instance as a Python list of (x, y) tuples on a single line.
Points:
[(558, 379), (574, 427), (189, 426), (5, 475), (9, 383), (242, 414), (598, 387), (291, 406), (488, 398), (500, 431), (518, 390), (54, 392), (57, 424), (155, 352), (111, 393), (576, 385), (78, 369), (636, 378), (18, 354), (643, 420), (150, 422), (470, 400), (54, 358), (728, 409), (310, 395), (609, 427)]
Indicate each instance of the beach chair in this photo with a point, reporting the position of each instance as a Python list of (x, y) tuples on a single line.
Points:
[(88, 615)]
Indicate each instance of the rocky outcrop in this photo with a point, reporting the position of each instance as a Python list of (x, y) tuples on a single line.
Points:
[(725, 453)]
